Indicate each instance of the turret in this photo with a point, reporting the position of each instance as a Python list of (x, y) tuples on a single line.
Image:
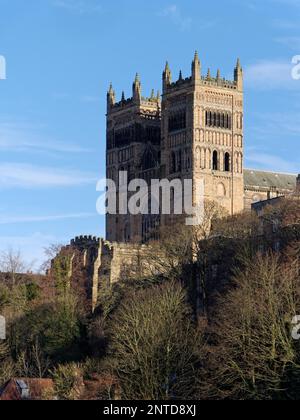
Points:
[(167, 77), (111, 97), (196, 69), (137, 89), (238, 75)]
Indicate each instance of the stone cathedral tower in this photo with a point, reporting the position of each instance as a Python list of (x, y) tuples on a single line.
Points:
[(133, 145), (195, 132), (202, 133)]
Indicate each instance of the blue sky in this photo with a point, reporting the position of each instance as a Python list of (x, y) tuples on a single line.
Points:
[(61, 56)]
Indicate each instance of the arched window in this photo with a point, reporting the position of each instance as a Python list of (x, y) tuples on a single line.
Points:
[(215, 161), (227, 162), (222, 120)]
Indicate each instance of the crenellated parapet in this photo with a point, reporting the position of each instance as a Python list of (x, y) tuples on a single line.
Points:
[(84, 242), (129, 102), (153, 101), (198, 79), (100, 263)]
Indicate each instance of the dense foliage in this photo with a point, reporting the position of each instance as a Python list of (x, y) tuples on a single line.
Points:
[(216, 324)]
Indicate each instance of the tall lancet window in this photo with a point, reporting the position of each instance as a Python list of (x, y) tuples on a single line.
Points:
[(215, 164), (227, 162)]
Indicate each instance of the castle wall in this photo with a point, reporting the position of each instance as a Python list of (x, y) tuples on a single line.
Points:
[(101, 264)]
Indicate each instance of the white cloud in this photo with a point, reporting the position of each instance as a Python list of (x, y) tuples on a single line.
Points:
[(293, 3), (31, 247), (292, 42), (271, 162), (90, 99), (79, 6), (174, 13), (19, 136), (271, 74), (273, 124), (18, 175), (285, 24), (9, 220), (255, 4)]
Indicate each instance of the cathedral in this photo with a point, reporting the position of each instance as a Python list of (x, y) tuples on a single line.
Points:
[(194, 130)]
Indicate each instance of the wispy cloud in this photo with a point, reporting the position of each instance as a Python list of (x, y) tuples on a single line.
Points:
[(293, 3), (285, 24), (258, 4), (271, 162), (174, 13), (292, 42), (11, 220), (90, 99), (79, 6), (269, 129), (277, 124), (17, 175), (31, 247), (270, 74), (16, 136)]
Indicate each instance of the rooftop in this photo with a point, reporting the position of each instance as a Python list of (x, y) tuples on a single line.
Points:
[(265, 179)]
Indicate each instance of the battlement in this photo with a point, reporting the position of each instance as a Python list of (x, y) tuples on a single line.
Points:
[(180, 83), (222, 83), (136, 100), (148, 102), (195, 130), (85, 241), (198, 79), (216, 82)]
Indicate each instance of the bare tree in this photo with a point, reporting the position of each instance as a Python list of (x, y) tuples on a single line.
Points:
[(12, 265), (178, 244), (255, 354), (50, 253), (155, 345)]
